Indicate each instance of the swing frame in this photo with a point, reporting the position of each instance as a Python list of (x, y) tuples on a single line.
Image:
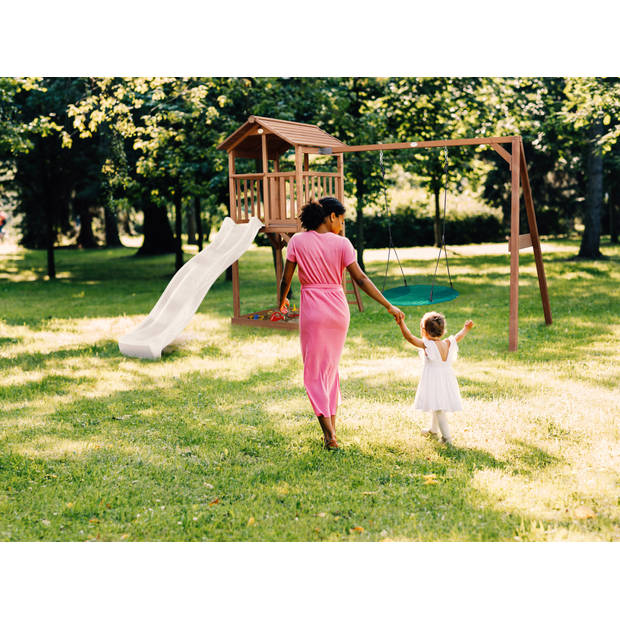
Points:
[(519, 181)]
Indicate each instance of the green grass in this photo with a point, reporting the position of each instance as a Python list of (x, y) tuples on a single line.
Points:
[(217, 441)]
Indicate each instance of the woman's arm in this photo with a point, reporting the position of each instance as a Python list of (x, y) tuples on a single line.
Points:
[(468, 325), (366, 284), (285, 285), (414, 340)]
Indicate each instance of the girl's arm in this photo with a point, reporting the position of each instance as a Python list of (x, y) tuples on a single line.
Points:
[(285, 285), (414, 340), (468, 325), (366, 284)]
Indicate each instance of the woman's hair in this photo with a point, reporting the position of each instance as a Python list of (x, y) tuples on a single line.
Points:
[(434, 323), (313, 213)]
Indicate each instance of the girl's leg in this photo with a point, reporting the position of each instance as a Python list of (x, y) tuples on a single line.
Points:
[(433, 429), (442, 420)]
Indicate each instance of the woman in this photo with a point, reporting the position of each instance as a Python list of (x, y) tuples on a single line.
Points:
[(322, 253)]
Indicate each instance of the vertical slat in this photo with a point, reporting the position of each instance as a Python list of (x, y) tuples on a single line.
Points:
[(282, 201), (245, 197), (231, 184), (238, 203), (236, 296), (513, 326), (531, 220), (252, 201)]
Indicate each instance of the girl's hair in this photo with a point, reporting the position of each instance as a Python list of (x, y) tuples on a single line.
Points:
[(434, 323), (313, 213)]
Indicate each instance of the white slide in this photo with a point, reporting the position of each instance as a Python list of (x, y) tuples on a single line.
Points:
[(181, 298)]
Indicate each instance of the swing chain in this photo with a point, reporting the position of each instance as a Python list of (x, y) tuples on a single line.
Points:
[(389, 226), (443, 228)]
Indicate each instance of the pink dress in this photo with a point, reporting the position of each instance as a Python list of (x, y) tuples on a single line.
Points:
[(323, 313)]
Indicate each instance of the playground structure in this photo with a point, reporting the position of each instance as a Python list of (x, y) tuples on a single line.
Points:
[(276, 197)]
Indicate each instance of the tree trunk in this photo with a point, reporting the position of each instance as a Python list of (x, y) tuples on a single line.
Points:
[(51, 238), (614, 199), (198, 220), (178, 220), (590, 242), (359, 222), (112, 240), (437, 222), (191, 227), (85, 238), (158, 237)]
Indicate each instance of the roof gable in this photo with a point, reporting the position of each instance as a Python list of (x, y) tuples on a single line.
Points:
[(290, 132)]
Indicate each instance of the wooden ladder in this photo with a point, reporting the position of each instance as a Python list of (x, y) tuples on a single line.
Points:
[(352, 291)]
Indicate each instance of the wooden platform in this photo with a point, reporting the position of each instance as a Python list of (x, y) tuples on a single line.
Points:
[(262, 319)]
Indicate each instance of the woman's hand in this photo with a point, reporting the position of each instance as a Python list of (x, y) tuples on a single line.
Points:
[(397, 313), (468, 324), (284, 306)]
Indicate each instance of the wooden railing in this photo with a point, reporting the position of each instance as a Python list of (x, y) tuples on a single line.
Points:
[(248, 199), (274, 197), (319, 184)]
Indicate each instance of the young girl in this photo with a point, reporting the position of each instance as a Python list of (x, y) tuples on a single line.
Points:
[(438, 391)]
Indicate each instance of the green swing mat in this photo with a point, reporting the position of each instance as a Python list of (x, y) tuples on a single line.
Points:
[(419, 295)]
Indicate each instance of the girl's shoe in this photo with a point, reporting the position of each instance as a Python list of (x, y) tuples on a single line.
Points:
[(448, 442), (427, 432)]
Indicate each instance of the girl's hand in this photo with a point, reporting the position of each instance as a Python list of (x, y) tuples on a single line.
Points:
[(284, 306), (469, 324), (398, 314)]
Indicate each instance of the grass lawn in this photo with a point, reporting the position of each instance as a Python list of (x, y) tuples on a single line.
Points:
[(217, 441)]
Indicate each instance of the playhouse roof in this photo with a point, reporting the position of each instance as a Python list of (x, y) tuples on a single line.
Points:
[(281, 136)]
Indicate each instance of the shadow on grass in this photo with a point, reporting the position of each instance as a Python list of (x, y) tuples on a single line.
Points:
[(225, 469)]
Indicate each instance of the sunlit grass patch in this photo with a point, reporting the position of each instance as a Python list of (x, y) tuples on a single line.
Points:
[(217, 440)]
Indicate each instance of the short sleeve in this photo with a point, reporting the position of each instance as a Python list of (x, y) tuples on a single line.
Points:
[(290, 250), (348, 252)]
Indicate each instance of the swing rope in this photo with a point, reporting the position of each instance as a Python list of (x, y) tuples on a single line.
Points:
[(389, 226), (443, 229)]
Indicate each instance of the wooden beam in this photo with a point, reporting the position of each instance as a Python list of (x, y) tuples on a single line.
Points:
[(513, 323), (423, 144), (531, 220), (503, 152)]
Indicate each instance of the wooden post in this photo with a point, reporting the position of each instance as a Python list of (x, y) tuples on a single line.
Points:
[(340, 164), (266, 196), (300, 164), (531, 220), (231, 185), (233, 214), (513, 326)]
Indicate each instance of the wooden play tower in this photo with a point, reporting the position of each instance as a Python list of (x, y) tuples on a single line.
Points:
[(276, 197)]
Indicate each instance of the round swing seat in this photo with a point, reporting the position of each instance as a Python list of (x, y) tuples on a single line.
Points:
[(419, 295)]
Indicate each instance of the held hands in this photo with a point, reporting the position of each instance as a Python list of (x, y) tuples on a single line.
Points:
[(397, 313)]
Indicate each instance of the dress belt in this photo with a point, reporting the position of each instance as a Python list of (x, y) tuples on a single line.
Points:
[(329, 287)]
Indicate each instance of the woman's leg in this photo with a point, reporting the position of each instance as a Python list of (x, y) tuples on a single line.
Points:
[(329, 433)]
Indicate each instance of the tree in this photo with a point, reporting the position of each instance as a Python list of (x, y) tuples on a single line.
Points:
[(590, 105), (434, 109)]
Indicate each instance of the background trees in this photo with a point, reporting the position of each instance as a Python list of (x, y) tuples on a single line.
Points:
[(78, 156)]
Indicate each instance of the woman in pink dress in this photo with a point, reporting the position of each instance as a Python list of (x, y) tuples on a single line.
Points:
[(323, 253)]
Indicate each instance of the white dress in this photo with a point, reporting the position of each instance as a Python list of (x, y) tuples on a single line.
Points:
[(438, 388)]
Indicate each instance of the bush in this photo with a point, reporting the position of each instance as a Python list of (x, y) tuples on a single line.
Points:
[(409, 230)]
